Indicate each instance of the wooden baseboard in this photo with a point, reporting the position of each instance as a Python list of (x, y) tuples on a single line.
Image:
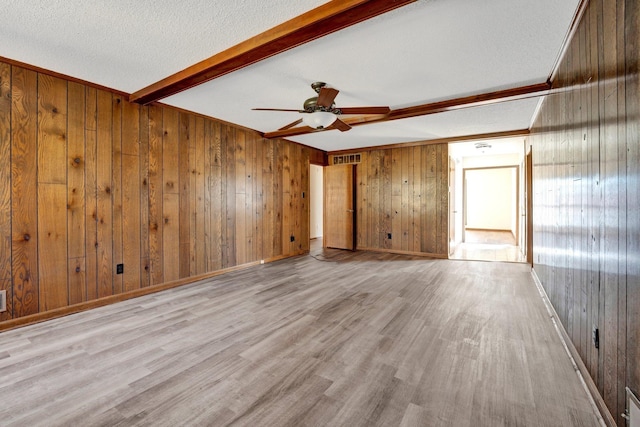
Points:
[(88, 305), (487, 229), (590, 387), (400, 252)]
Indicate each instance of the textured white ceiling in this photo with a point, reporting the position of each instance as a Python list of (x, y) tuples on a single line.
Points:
[(427, 51)]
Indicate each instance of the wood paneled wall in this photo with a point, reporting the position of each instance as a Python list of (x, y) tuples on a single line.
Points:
[(403, 192), (586, 143), (89, 181)]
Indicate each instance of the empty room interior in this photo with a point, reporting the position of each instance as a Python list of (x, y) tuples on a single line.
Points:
[(320, 213)]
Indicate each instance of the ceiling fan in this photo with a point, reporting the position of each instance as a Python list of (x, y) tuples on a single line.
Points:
[(320, 113)]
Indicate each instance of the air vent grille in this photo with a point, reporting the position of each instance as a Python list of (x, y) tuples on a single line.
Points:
[(347, 158)]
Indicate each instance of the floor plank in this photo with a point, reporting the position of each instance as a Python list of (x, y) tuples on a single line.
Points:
[(334, 338)]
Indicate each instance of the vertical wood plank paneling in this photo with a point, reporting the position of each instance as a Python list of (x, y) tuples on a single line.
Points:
[(258, 202), (249, 211), (404, 192), (396, 199), (52, 130), (285, 202), (294, 198), (404, 200), (131, 221), (418, 194), (278, 198), (217, 193), (171, 235), (116, 191), (240, 199), (386, 193), (586, 257), (52, 192), (442, 181), (76, 215), (171, 195), (199, 232), (184, 140), (5, 188), (304, 218), (193, 195), (155, 195), (104, 223), (145, 225), (93, 181), (229, 202), (362, 202), (24, 209), (131, 197), (52, 246), (268, 198), (632, 105), (91, 191)]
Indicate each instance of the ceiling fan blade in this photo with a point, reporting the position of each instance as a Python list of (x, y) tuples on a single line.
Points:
[(291, 132), (290, 125), (326, 96), (340, 125), (277, 109), (365, 110)]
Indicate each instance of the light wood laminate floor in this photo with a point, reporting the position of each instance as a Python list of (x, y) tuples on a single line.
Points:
[(480, 245), (342, 339)]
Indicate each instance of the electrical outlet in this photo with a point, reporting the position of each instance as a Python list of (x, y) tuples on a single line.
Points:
[(119, 268), (3, 301)]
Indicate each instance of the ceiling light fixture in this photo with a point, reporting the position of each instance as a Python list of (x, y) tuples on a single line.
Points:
[(319, 119)]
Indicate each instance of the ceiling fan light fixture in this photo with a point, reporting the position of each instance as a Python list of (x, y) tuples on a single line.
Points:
[(319, 119)]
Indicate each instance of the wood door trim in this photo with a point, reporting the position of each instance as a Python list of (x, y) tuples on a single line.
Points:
[(316, 23)]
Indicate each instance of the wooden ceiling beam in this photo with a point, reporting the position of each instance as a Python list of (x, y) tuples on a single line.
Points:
[(325, 19), (482, 99)]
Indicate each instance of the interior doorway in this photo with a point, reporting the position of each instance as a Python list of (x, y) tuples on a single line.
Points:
[(489, 197), (316, 203)]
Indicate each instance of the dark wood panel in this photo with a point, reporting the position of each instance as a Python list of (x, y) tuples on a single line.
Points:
[(131, 197), (168, 194), (91, 191), (187, 126), (104, 210), (145, 266), (585, 196), (403, 192), (156, 184), (52, 130), (52, 246), (76, 215), (632, 89), (24, 266), (116, 192), (5, 188)]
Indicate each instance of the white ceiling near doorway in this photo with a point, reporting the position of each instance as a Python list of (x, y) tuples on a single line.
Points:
[(427, 51), (497, 147)]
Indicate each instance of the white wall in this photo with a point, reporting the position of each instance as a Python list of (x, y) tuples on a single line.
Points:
[(492, 161), (316, 200), (490, 198)]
